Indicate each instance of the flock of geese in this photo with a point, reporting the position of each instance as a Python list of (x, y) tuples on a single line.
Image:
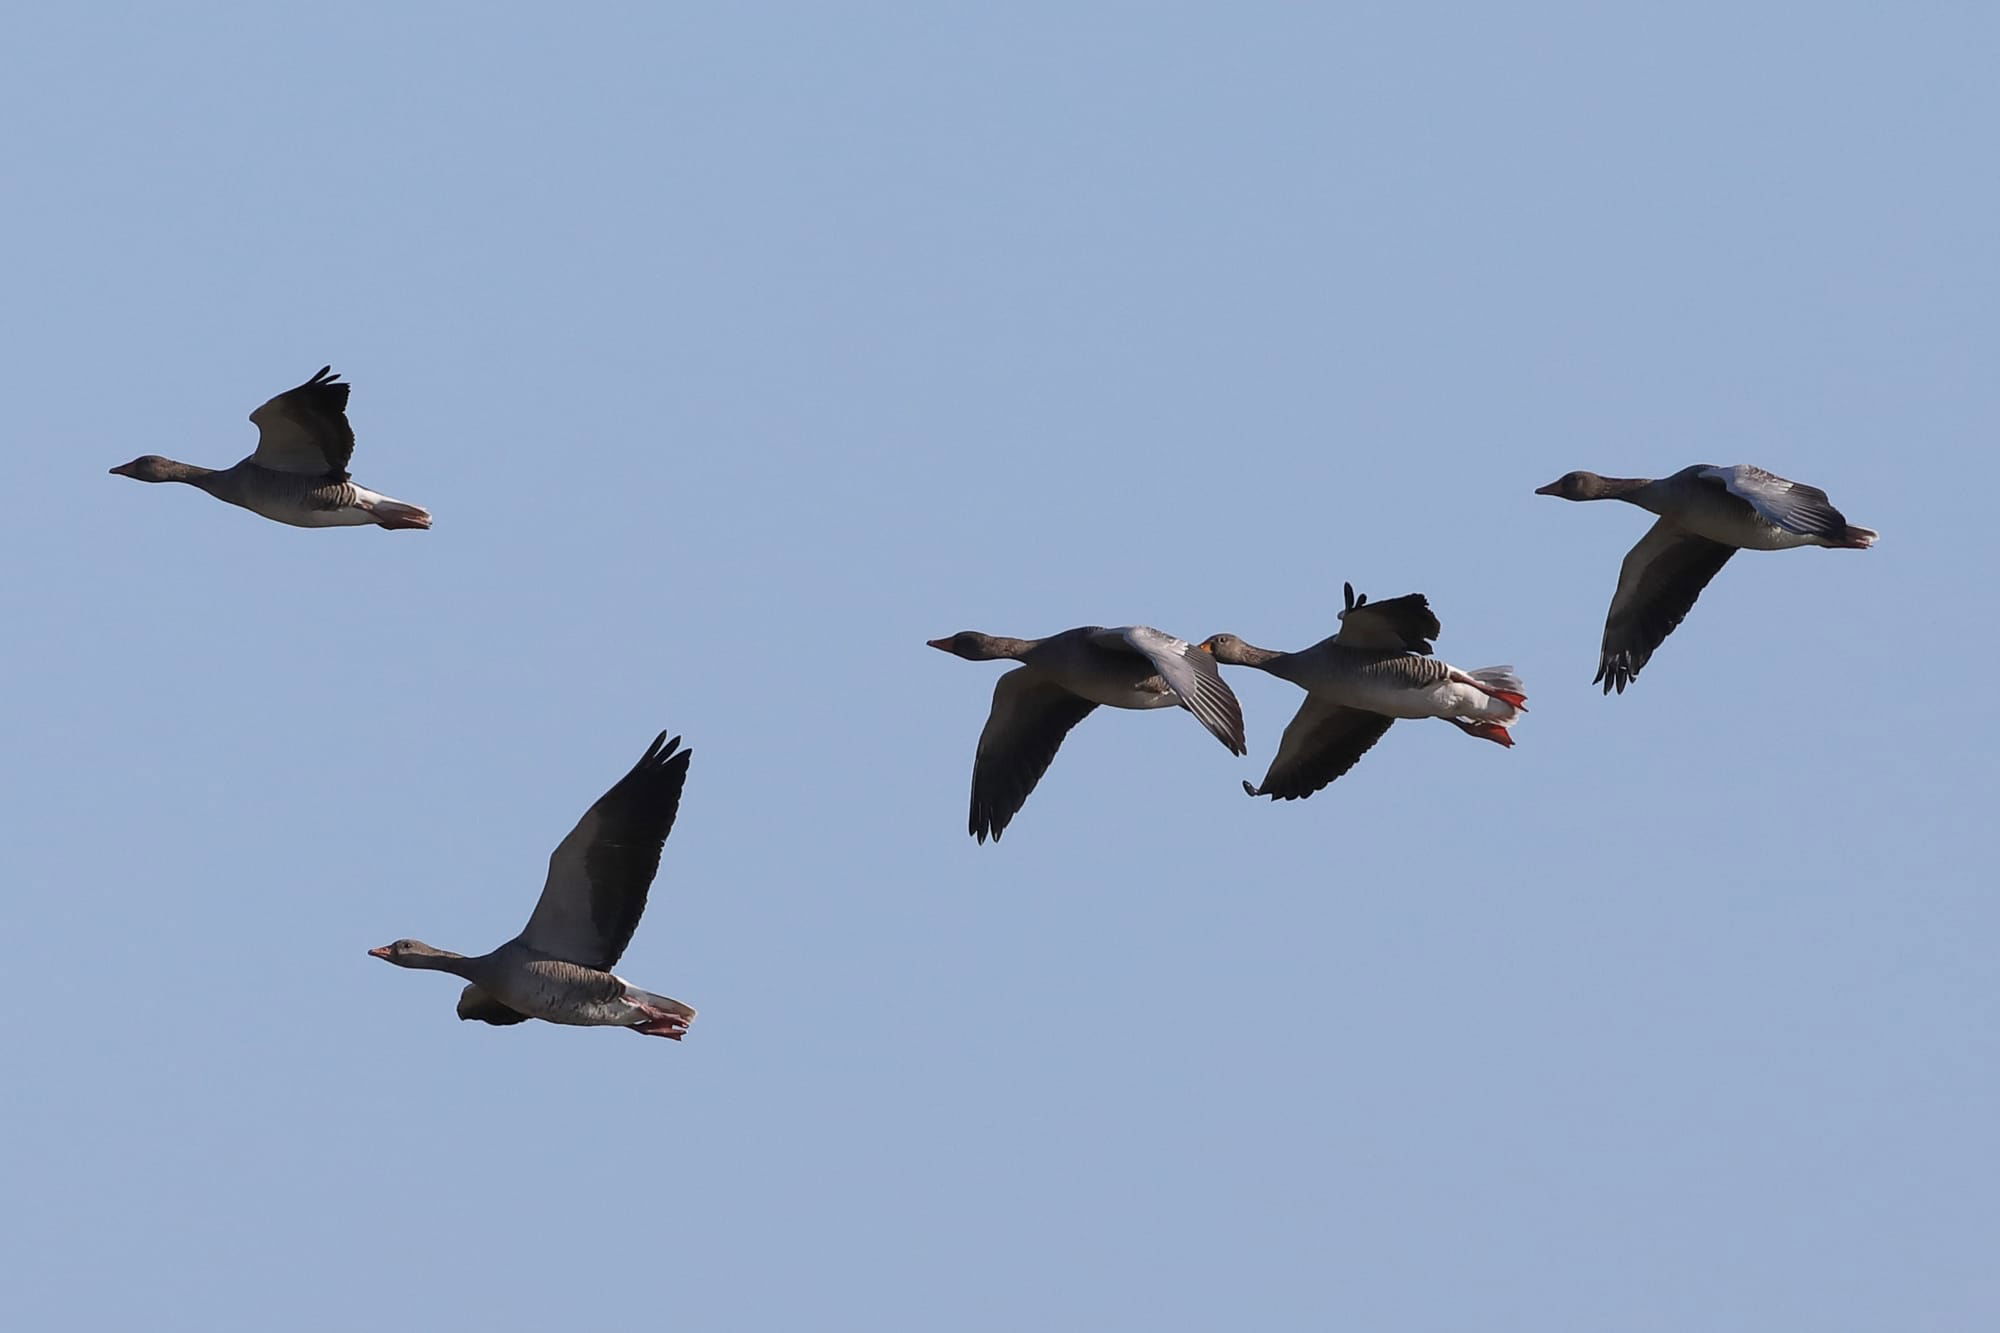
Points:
[(1376, 669)]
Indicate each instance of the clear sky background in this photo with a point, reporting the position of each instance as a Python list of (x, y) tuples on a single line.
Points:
[(739, 349)]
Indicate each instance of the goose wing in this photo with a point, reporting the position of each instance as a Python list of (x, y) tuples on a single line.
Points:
[(1792, 505), (1031, 715), (305, 429), (474, 1003), (1657, 586), (599, 874), (1322, 741), (1189, 672), (1403, 624)]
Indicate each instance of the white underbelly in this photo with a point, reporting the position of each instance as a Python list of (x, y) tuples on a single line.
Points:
[(307, 518), (1445, 699)]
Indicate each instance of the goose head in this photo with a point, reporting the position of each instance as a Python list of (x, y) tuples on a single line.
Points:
[(151, 467), (972, 646), (1575, 486), (1232, 651), (1225, 648), (415, 953)]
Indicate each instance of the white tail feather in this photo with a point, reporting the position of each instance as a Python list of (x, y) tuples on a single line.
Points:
[(394, 513), (1503, 680)]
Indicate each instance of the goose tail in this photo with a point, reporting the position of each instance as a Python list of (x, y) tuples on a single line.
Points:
[(659, 1016), (1857, 539), (1494, 703), (389, 513), (1506, 697)]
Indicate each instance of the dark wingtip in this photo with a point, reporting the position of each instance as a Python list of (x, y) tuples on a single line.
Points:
[(661, 753)]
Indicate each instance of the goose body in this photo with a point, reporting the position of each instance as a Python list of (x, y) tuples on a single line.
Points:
[(1375, 671), (1397, 687), (298, 474), (307, 502), (517, 978), (558, 969), (1706, 515), (1061, 679)]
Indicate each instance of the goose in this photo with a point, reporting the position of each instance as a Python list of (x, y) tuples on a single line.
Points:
[(558, 969), (1707, 514), (1060, 679), (298, 475), (1376, 669)]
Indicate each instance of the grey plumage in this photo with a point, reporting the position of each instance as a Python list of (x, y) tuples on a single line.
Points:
[(1706, 515), (558, 968), (305, 430), (298, 473), (1358, 682), (1030, 717), (474, 1003), (1321, 742), (1403, 624), (1061, 680), (257, 488)]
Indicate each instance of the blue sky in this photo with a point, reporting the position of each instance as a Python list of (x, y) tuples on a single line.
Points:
[(740, 349)]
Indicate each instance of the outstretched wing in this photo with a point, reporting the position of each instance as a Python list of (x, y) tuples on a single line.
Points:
[(1657, 586), (599, 875), (1792, 505), (1031, 715), (305, 429), (1190, 673), (1322, 741), (1403, 624)]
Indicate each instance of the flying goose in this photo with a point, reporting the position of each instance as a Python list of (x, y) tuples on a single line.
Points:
[(558, 968), (1707, 514), (298, 475), (1060, 680), (1376, 669)]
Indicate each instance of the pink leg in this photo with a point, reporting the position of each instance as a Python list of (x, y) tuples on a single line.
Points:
[(1486, 731), (661, 1023)]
